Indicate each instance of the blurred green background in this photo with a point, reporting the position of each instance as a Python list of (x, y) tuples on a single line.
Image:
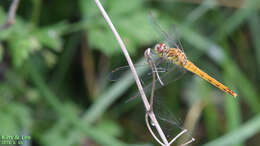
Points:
[(55, 58)]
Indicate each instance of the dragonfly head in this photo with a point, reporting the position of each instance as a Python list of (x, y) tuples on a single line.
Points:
[(160, 48)]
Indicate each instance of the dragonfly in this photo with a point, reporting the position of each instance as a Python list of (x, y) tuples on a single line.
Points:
[(172, 53), (177, 56)]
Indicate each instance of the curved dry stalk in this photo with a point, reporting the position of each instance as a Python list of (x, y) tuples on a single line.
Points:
[(154, 72), (177, 136), (150, 129), (11, 15), (188, 142), (147, 55), (140, 88)]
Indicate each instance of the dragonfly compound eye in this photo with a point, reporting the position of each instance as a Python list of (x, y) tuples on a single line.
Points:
[(158, 48), (163, 46)]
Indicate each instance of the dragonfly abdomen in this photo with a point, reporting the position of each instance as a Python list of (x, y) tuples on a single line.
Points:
[(193, 68)]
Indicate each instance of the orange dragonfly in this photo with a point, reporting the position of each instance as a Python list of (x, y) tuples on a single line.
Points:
[(173, 53), (176, 55)]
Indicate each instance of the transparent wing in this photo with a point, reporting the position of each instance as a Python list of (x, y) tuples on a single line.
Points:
[(169, 73), (143, 70), (170, 122), (118, 72), (172, 41), (173, 30)]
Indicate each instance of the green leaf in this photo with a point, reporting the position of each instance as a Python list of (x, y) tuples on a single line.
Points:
[(51, 36), (124, 6), (104, 41), (8, 124), (130, 21), (21, 47), (15, 117), (89, 9)]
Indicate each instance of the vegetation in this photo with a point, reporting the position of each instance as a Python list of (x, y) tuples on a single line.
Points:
[(55, 59)]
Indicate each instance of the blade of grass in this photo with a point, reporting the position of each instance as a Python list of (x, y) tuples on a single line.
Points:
[(106, 99), (97, 135), (254, 23), (36, 12), (109, 96), (233, 116), (237, 18), (239, 135), (201, 10), (210, 112), (64, 62), (232, 108), (248, 92), (211, 121)]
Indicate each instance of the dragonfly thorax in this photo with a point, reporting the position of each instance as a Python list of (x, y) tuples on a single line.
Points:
[(174, 55)]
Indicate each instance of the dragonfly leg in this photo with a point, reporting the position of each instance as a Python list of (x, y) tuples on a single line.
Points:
[(167, 66), (158, 61), (142, 82), (163, 69)]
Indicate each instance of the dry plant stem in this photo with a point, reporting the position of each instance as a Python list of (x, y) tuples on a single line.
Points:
[(194, 114), (11, 15), (153, 67), (155, 74), (151, 131), (151, 64), (177, 136), (174, 139), (188, 142), (140, 88)]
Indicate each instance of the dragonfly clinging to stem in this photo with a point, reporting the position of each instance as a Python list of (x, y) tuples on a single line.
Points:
[(176, 55), (173, 54)]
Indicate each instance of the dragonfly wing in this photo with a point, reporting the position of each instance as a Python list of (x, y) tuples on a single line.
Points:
[(172, 41), (118, 72), (173, 73), (143, 69), (170, 121), (177, 43), (167, 75)]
